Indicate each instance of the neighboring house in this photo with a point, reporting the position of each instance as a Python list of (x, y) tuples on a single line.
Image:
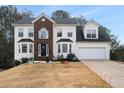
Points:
[(44, 37)]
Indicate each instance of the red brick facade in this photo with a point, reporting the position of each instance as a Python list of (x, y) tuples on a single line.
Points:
[(37, 26)]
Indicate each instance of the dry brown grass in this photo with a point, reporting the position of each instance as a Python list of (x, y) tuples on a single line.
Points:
[(51, 75)]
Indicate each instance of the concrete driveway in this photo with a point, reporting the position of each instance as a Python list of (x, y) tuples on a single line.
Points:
[(111, 71)]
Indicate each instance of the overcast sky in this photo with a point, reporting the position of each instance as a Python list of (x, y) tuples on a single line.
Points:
[(111, 17)]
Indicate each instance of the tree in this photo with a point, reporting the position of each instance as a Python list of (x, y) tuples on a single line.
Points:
[(60, 14), (8, 15), (113, 39)]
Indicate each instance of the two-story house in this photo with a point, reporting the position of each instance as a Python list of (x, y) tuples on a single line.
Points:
[(43, 37)]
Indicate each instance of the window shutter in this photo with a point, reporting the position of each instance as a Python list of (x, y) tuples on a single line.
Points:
[(39, 49)]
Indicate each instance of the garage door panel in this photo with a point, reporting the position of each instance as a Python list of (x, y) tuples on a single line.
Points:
[(91, 53)]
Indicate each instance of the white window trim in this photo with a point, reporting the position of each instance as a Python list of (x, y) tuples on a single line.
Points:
[(91, 37), (68, 33), (39, 33), (20, 30), (59, 30), (66, 50), (30, 30), (26, 49)]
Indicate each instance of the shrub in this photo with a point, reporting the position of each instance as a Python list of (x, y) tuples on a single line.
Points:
[(71, 57), (60, 57), (117, 54), (31, 59), (24, 60), (17, 62)]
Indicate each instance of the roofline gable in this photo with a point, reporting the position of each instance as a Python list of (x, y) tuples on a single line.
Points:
[(41, 15), (92, 21)]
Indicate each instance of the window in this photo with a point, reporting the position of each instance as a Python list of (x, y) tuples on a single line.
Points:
[(70, 48), (20, 32), (91, 34), (30, 34), (19, 48), (59, 33), (30, 48), (39, 49), (59, 48), (24, 48), (43, 33), (69, 34), (64, 48)]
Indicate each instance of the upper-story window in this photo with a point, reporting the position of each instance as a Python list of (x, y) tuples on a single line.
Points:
[(30, 33), (69, 34), (43, 33), (20, 32), (91, 34), (59, 32)]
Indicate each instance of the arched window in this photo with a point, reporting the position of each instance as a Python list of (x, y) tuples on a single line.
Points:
[(43, 33)]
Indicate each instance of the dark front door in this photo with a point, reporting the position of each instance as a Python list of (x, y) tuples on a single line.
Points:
[(43, 49)]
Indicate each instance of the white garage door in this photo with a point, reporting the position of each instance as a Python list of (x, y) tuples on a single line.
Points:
[(91, 53)]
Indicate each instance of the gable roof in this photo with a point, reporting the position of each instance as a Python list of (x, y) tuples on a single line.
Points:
[(102, 36), (92, 21), (41, 15)]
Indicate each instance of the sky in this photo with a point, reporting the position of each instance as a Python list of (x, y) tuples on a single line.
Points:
[(111, 17)]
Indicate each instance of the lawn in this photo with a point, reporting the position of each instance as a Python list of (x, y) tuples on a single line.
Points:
[(74, 75)]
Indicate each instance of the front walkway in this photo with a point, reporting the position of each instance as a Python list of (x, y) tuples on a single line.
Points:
[(112, 72)]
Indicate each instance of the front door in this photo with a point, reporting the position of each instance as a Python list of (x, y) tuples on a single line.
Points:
[(43, 49)]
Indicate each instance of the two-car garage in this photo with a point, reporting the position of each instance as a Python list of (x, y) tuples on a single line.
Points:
[(91, 53), (93, 50)]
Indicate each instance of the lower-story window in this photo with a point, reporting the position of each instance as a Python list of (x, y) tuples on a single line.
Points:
[(70, 48), (59, 48), (19, 48), (30, 48), (24, 48), (64, 48)]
